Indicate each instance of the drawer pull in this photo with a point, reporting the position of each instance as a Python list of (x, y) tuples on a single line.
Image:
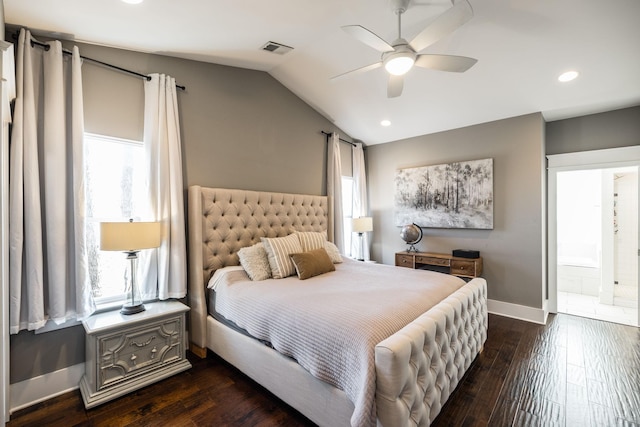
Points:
[(153, 352), (133, 358), (144, 344)]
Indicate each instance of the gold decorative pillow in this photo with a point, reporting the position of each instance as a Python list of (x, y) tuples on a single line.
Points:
[(278, 251), (312, 263)]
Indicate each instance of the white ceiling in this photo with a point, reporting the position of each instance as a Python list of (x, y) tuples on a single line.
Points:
[(521, 47)]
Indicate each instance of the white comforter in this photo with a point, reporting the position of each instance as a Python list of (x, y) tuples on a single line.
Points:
[(331, 323)]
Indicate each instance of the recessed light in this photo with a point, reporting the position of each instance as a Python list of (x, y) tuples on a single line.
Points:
[(567, 76), (132, 1), (385, 123)]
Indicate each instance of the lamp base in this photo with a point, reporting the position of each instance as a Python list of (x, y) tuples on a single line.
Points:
[(132, 309)]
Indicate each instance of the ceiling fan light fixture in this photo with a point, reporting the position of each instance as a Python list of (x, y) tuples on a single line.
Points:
[(385, 123), (400, 63)]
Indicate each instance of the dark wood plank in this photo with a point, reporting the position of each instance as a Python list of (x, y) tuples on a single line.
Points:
[(570, 372)]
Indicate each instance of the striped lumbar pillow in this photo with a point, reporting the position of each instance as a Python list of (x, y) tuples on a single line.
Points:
[(310, 240), (278, 251)]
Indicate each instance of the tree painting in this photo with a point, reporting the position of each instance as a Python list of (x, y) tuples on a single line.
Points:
[(453, 195)]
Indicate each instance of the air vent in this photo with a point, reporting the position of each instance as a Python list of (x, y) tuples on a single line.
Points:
[(278, 48)]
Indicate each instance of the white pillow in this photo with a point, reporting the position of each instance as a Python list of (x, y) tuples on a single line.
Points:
[(310, 240), (221, 274), (278, 251), (255, 262), (333, 251)]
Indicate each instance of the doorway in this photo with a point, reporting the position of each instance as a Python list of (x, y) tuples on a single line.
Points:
[(593, 234), (597, 217)]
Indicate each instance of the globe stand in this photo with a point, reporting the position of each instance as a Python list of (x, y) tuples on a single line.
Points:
[(411, 234)]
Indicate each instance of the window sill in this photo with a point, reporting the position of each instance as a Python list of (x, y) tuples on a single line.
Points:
[(100, 308), (108, 306), (52, 326), (115, 305)]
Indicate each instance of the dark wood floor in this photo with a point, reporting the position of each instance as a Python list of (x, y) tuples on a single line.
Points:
[(570, 372)]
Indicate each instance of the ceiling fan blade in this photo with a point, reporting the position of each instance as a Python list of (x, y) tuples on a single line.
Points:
[(368, 38), (394, 89), (444, 25), (456, 64), (358, 70)]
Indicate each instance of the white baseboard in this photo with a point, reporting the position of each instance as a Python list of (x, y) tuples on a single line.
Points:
[(516, 311), (38, 389)]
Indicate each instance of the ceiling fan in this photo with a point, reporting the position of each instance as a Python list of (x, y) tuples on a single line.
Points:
[(400, 56)]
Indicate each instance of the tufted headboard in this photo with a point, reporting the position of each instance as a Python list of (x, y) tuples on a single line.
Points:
[(222, 221)]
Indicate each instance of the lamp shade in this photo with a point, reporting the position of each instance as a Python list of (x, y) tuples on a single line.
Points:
[(129, 236), (362, 224)]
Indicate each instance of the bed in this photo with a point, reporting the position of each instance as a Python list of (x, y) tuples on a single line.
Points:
[(415, 369)]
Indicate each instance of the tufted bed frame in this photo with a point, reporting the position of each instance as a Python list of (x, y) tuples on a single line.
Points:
[(417, 368)]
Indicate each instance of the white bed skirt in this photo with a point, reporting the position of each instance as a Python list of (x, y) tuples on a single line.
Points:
[(317, 400)]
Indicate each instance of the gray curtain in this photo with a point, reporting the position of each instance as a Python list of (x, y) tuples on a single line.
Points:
[(48, 268), (166, 276), (334, 191), (360, 204)]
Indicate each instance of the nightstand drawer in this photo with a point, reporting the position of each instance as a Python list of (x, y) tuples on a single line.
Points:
[(138, 350), (432, 261), (404, 260), (463, 268)]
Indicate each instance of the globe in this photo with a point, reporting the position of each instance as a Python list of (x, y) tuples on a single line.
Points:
[(411, 234)]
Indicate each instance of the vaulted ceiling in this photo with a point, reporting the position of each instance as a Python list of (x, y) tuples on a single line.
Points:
[(522, 46)]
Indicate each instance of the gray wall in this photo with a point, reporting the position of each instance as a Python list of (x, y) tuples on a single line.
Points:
[(240, 129), (513, 251), (613, 129)]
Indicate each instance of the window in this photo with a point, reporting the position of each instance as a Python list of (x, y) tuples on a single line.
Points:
[(347, 211), (115, 191)]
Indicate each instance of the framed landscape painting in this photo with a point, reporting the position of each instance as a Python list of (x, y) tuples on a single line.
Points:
[(453, 195)]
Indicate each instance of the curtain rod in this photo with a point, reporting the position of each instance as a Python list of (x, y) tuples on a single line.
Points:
[(328, 134), (104, 64)]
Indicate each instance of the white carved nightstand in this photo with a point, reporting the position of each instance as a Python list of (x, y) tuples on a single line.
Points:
[(127, 352)]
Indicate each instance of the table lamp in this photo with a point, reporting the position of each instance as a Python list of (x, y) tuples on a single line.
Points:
[(361, 225), (130, 237)]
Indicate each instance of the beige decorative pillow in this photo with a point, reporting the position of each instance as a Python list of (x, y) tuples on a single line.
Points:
[(312, 263), (333, 251), (278, 251), (255, 262), (310, 240)]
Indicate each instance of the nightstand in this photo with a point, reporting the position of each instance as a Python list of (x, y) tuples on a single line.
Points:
[(128, 352)]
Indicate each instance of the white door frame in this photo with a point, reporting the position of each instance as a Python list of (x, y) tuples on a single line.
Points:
[(605, 295), (596, 159), (6, 92)]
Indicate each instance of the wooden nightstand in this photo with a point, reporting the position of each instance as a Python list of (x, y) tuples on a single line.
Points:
[(462, 267), (125, 353)]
